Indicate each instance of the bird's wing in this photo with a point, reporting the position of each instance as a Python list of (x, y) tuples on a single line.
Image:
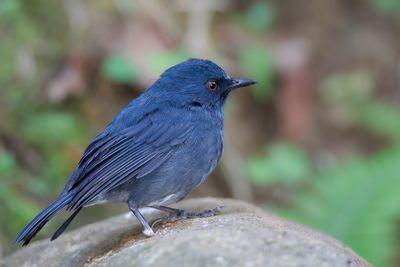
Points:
[(113, 159)]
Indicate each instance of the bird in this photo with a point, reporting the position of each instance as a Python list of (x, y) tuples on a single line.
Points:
[(156, 150)]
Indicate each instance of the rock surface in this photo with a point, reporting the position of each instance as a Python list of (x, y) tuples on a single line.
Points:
[(241, 235)]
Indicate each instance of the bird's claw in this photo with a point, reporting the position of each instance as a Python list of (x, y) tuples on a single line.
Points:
[(205, 213), (183, 214), (148, 232)]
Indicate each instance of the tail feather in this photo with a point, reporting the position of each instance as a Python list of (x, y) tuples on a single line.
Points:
[(41, 219), (64, 226)]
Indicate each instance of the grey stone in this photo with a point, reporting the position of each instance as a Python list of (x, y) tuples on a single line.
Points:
[(241, 235)]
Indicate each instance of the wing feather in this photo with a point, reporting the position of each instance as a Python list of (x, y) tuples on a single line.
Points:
[(114, 159)]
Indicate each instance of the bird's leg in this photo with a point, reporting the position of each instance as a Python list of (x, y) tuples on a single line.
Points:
[(178, 214), (172, 211), (148, 231)]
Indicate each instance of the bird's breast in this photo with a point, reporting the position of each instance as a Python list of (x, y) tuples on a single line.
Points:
[(207, 147)]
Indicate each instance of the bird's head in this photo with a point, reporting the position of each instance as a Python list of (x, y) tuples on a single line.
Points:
[(197, 82)]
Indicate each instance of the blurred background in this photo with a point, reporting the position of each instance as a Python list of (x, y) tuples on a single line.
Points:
[(316, 141)]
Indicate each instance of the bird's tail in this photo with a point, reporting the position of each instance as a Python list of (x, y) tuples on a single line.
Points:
[(41, 219)]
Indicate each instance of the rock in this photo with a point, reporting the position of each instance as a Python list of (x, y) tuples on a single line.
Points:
[(241, 235)]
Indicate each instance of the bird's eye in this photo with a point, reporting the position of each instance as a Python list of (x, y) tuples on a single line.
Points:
[(212, 85)]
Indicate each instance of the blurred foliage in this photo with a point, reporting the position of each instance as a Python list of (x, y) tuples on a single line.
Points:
[(13, 202), (49, 128), (355, 86), (258, 17), (381, 118), (31, 41), (41, 141), (7, 163), (161, 60), (50, 134), (356, 202), (9, 8), (350, 95), (256, 62), (119, 69), (387, 6), (282, 163)]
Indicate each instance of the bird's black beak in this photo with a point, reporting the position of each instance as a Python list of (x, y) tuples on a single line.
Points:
[(237, 83)]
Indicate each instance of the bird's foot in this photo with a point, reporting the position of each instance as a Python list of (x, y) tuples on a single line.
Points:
[(177, 214), (147, 229), (148, 232), (183, 214)]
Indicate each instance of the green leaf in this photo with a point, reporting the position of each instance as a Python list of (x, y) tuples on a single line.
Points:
[(381, 118), (353, 87), (119, 69), (20, 211), (357, 202), (258, 64), (387, 6), (260, 16), (161, 60), (50, 128), (7, 162), (9, 7), (281, 163), (351, 95)]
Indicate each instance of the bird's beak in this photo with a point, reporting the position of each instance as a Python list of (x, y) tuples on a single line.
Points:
[(237, 83)]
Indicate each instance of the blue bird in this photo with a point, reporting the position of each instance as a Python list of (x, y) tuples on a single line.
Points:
[(160, 147)]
